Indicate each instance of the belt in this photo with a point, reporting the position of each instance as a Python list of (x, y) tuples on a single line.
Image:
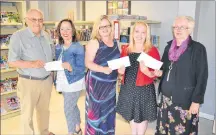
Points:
[(33, 78)]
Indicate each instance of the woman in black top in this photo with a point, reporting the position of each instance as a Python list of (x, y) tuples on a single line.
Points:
[(183, 81)]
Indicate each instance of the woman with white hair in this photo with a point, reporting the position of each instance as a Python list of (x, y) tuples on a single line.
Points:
[(183, 81)]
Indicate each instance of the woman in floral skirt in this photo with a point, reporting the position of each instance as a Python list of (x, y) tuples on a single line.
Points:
[(183, 82)]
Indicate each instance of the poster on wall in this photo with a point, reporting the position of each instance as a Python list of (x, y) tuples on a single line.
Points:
[(13, 103), (118, 7)]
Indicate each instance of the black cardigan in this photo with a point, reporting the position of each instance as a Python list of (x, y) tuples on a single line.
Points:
[(191, 75)]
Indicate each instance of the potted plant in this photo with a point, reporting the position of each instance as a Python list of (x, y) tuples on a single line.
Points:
[(13, 17)]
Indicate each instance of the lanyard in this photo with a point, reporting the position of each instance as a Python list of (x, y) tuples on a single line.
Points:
[(170, 68)]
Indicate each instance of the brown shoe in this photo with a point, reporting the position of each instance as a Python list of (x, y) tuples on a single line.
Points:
[(50, 133)]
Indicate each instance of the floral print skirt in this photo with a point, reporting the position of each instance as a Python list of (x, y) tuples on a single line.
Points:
[(173, 120)]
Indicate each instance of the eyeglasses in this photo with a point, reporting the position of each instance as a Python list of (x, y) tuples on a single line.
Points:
[(65, 29), (180, 28), (34, 20), (104, 27)]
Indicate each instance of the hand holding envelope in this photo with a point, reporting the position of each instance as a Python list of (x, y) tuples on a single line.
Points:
[(121, 70), (53, 66), (107, 70), (118, 63), (150, 61)]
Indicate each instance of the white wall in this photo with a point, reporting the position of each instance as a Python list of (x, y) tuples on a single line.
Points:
[(44, 6), (94, 9), (163, 11), (34, 4), (206, 35), (187, 8), (59, 9)]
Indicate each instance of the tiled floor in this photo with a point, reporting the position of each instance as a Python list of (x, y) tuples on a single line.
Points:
[(12, 126)]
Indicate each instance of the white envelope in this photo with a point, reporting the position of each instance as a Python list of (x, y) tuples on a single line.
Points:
[(117, 63), (150, 61), (53, 66)]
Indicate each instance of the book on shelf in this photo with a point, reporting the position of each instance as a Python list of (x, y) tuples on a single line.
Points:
[(127, 17), (84, 34), (4, 40), (13, 102), (2, 109), (155, 40), (8, 85), (3, 64)]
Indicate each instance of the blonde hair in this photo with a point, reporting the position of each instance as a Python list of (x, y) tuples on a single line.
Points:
[(147, 43), (95, 32), (191, 22)]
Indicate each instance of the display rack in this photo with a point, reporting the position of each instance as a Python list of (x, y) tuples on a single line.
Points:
[(7, 94), (78, 25), (128, 23), (9, 109)]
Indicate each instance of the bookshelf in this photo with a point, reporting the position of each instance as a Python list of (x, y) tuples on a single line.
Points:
[(126, 24), (78, 24), (8, 84)]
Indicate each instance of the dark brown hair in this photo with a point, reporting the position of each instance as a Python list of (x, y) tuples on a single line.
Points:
[(74, 34)]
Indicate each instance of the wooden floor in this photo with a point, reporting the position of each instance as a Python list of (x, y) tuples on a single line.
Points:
[(12, 126)]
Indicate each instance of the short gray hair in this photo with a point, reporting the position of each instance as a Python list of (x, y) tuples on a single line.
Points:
[(191, 22), (33, 9)]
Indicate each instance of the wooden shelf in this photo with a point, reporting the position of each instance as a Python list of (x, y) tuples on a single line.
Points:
[(10, 114), (146, 21), (8, 70), (11, 1), (137, 20), (11, 24), (75, 22), (49, 22), (83, 22), (8, 92), (150, 21), (4, 48)]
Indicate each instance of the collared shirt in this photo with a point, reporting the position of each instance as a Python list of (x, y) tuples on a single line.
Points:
[(25, 45)]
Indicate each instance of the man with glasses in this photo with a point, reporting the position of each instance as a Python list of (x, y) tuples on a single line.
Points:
[(29, 50)]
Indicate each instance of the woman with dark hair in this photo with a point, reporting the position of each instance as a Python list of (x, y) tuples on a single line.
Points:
[(70, 81)]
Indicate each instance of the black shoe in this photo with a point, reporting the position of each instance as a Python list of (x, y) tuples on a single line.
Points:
[(78, 132)]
